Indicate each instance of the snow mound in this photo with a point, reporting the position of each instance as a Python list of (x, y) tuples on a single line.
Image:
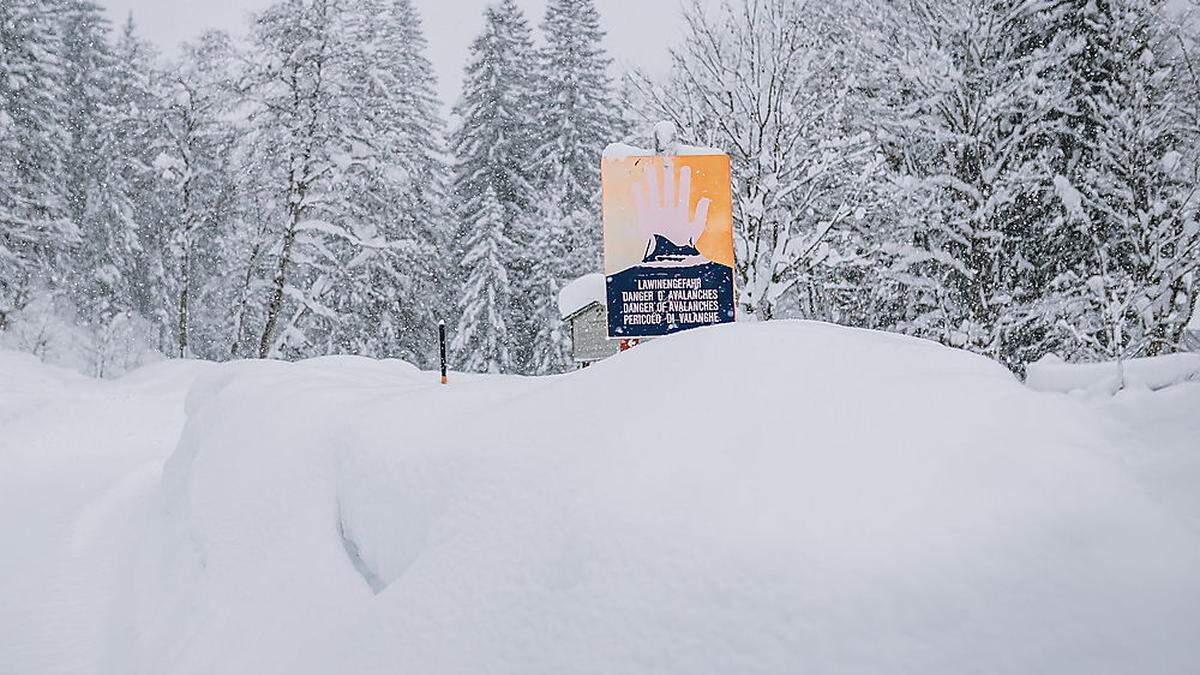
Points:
[(78, 458), (1157, 372), (20, 369), (751, 498)]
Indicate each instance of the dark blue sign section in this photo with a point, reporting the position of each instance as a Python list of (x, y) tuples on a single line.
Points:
[(651, 300)]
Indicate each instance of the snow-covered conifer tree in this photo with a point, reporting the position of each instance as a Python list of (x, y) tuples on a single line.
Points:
[(398, 272), (577, 116), (34, 230), (546, 231), (132, 136), (494, 140), (99, 195), (481, 339), (493, 144)]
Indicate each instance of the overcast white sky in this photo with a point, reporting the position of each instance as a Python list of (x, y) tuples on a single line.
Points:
[(639, 31)]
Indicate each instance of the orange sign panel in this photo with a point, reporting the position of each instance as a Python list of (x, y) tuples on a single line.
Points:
[(668, 242)]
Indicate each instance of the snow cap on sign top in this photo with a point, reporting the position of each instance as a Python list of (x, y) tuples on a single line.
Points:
[(624, 151), (664, 134)]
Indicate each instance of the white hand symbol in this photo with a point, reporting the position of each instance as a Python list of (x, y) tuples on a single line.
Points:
[(661, 209)]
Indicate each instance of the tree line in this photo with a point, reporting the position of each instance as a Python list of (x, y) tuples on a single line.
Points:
[(1012, 177)]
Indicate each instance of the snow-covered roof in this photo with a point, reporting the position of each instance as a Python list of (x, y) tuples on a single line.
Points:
[(580, 293), (624, 150)]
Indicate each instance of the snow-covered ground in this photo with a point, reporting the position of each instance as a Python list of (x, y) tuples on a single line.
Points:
[(753, 498), (1105, 379)]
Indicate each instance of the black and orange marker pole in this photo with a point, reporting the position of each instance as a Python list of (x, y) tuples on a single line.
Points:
[(442, 343)]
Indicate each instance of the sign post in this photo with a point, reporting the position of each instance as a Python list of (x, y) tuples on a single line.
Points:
[(442, 344), (668, 240)]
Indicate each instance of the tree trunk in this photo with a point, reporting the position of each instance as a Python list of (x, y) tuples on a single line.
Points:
[(239, 330), (275, 305), (184, 283)]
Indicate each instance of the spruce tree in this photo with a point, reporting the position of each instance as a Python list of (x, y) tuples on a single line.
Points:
[(134, 135), (493, 141), (493, 147), (577, 114), (100, 195), (428, 233), (546, 229), (87, 67), (576, 118), (35, 232), (481, 339), (399, 276)]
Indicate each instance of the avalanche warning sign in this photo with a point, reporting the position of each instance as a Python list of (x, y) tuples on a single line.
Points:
[(668, 242)]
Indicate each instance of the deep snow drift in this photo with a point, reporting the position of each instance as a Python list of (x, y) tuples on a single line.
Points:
[(770, 498)]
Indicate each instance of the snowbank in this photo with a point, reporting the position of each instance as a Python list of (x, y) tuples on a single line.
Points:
[(580, 293), (752, 498), (1157, 372), (78, 459)]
